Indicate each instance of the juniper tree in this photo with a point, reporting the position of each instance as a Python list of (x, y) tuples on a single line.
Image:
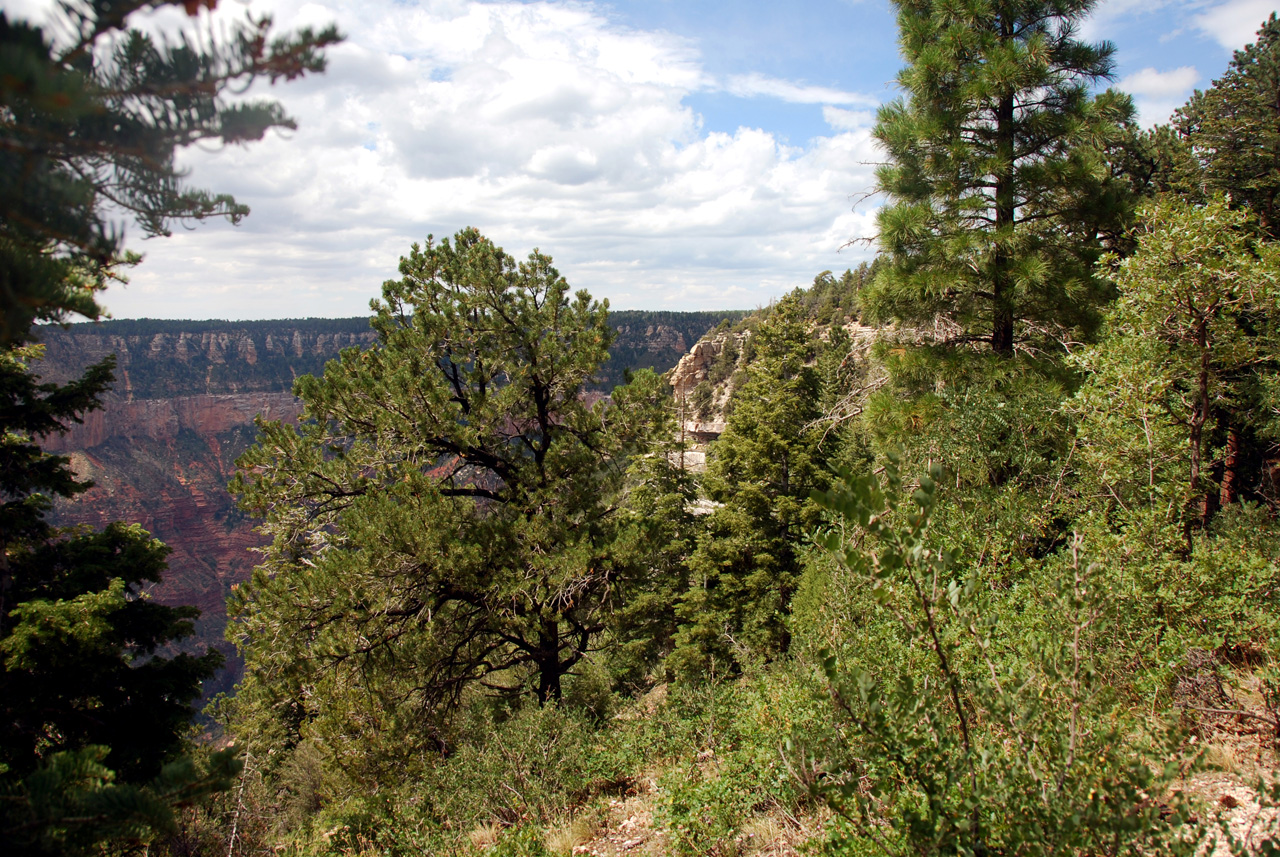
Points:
[(996, 177)]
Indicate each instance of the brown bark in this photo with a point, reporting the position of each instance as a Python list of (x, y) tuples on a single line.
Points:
[(1006, 211), (1198, 505), (1229, 493)]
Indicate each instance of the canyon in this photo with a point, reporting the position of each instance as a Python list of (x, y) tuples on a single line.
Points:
[(164, 444)]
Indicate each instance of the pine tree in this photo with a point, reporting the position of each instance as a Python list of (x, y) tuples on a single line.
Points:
[(1234, 129), (78, 641), (92, 712), (89, 126), (445, 517), (996, 176)]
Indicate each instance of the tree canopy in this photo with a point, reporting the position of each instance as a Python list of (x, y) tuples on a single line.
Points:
[(1234, 129), (94, 704), (444, 518), (996, 177), (91, 123)]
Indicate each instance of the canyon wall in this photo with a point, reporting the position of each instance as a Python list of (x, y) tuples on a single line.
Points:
[(164, 444)]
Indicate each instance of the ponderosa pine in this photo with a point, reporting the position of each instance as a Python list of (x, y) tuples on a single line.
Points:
[(996, 174), (89, 127), (444, 519), (1234, 129)]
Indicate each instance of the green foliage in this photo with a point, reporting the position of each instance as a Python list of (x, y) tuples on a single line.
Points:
[(78, 642), (659, 535), (1234, 129), (730, 767), (1163, 598), (71, 805), (31, 411), (1179, 389), (975, 751), (444, 519), (92, 125), (79, 653), (996, 174), (761, 470), (834, 301), (533, 765)]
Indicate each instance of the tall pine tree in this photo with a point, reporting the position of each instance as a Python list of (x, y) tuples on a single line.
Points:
[(998, 184), (1234, 129)]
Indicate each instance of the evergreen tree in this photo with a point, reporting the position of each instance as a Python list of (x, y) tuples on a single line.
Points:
[(997, 178), (90, 125), (762, 471), (1181, 398), (90, 712), (660, 534), (1234, 129), (444, 519), (73, 805)]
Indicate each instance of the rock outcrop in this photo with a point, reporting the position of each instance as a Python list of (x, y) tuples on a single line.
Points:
[(700, 395), (213, 358)]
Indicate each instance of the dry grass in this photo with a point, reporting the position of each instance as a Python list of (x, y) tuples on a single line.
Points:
[(562, 840), (485, 836), (761, 834)]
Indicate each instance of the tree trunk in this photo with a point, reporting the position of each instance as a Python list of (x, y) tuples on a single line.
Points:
[(1197, 503), (1006, 212), (550, 669), (1230, 490)]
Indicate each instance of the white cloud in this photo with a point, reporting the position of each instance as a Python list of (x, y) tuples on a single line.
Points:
[(1235, 24), (1158, 93), (752, 85), (542, 124), (1104, 17), (848, 120), (1161, 84)]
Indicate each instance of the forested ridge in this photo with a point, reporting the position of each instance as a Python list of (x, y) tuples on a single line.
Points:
[(985, 560)]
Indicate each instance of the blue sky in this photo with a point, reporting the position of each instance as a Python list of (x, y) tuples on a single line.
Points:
[(667, 155)]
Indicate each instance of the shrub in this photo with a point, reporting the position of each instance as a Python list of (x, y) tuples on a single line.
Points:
[(981, 751)]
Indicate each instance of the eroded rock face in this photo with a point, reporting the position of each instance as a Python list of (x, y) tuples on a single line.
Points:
[(163, 419), (262, 357), (657, 338), (163, 460), (695, 367), (693, 370)]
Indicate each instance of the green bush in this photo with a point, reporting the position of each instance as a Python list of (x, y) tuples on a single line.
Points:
[(978, 749), (731, 764)]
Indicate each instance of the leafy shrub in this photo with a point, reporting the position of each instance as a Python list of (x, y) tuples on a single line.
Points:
[(731, 766), (983, 751)]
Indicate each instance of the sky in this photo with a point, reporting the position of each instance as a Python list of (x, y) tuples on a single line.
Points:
[(667, 154)]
